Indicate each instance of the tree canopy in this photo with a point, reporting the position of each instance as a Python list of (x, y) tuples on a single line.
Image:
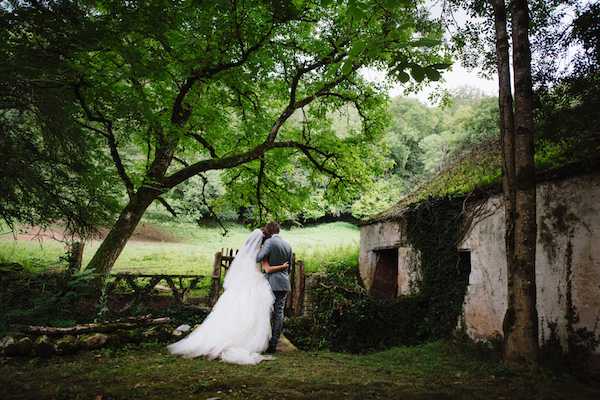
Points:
[(176, 89)]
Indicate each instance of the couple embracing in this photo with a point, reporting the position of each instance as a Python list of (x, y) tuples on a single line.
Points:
[(247, 319)]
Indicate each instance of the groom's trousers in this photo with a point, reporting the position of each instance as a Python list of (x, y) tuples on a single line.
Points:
[(277, 317)]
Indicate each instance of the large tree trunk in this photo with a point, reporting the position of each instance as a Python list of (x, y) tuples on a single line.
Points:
[(507, 141), (117, 238), (505, 103), (521, 326), (114, 243)]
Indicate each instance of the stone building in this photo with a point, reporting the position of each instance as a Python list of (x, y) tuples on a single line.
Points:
[(567, 265)]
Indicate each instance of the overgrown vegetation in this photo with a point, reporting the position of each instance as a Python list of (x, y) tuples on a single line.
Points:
[(426, 142), (42, 298), (41, 292), (346, 318)]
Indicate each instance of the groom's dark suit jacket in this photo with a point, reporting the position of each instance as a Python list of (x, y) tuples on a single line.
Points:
[(277, 251)]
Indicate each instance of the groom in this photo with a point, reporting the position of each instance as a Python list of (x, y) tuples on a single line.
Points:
[(276, 257)]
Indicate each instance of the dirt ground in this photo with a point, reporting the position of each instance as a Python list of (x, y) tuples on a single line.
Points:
[(432, 371), (144, 232)]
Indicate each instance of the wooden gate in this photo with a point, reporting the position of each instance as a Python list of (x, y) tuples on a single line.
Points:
[(295, 300)]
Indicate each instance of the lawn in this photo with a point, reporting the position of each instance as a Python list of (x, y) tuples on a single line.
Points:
[(431, 371), (189, 248)]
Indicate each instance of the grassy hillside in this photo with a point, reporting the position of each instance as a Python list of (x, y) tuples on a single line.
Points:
[(189, 248)]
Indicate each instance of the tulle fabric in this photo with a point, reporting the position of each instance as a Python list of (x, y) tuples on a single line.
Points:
[(238, 328)]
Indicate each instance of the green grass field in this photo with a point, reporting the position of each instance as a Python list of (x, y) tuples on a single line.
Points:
[(191, 248)]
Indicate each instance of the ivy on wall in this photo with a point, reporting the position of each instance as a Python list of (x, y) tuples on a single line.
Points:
[(434, 229), (346, 318)]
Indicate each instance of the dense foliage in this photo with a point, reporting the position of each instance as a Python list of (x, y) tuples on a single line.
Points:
[(51, 168), (419, 141), (425, 141), (345, 318), (192, 81)]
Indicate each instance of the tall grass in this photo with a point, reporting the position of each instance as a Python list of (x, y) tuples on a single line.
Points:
[(35, 256), (194, 250), (323, 258)]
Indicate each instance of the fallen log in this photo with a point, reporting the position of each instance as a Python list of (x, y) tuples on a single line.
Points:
[(102, 327)]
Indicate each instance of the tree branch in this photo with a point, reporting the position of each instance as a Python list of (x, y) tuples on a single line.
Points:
[(200, 139), (208, 206), (256, 152), (306, 149), (110, 139), (181, 113), (261, 173), (170, 209), (181, 161)]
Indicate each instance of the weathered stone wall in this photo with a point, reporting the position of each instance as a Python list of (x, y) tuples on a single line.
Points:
[(385, 235), (567, 262), (375, 237), (567, 266), (485, 300)]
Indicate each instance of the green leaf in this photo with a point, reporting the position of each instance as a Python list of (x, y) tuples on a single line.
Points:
[(347, 67), (417, 72), (433, 74), (403, 76), (441, 65), (354, 10), (357, 48), (425, 42)]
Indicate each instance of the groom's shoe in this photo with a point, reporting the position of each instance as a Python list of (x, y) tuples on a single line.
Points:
[(271, 350)]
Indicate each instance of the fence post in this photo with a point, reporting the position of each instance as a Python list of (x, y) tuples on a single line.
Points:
[(75, 257), (288, 302), (298, 291), (215, 289)]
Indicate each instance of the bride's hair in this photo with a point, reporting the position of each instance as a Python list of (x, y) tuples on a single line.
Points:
[(270, 229)]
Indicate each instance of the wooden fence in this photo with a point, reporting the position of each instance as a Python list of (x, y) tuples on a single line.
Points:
[(295, 300)]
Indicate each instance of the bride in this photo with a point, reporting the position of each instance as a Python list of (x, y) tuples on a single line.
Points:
[(238, 328)]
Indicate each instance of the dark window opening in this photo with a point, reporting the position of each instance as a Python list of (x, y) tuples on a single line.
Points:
[(385, 278), (464, 265), (464, 262)]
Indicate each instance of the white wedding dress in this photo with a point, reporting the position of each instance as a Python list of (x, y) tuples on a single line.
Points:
[(238, 328)]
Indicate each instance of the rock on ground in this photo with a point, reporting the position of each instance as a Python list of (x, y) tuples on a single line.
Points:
[(94, 341), (43, 346), (285, 346)]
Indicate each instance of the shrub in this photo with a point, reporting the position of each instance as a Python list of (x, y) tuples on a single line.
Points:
[(345, 318)]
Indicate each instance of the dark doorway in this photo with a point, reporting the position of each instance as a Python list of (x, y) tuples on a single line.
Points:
[(464, 264), (385, 279), (463, 270)]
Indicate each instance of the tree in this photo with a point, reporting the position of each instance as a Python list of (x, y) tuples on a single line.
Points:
[(566, 111), (193, 87), (520, 321), (517, 140)]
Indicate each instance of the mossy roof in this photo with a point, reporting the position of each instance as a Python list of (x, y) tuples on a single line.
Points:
[(478, 172)]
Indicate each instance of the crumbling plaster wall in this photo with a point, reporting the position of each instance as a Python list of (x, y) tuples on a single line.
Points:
[(567, 262)]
